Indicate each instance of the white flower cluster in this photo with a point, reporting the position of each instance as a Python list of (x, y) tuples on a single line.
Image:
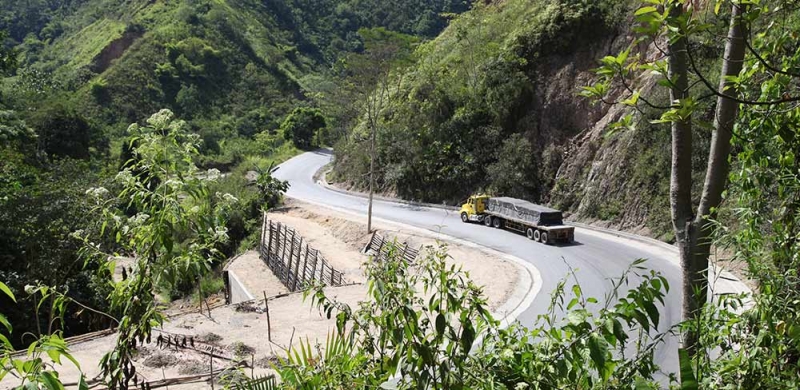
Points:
[(124, 177), (97, 192), (139, 219), (227, 198), (161, 119), (213, 174), (220, 233), (173, 184)]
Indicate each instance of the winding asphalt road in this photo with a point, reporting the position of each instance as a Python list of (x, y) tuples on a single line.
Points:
[(596, 257)]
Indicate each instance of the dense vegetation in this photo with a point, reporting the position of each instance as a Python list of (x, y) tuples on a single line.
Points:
[(243, 75), (85, 180), (490, 105)]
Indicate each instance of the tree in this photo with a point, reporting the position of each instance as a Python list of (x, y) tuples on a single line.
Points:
[(8, 56), (301, 125), (13, 129), (679, 24), (63, 131), (271, 189), (173, 236), (374, 74), (512, 174)]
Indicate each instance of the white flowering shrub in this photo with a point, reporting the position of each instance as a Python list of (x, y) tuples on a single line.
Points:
[(167, 219)]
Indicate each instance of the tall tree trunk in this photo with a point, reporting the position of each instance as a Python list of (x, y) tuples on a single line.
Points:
[(696, 246), (680, 196)]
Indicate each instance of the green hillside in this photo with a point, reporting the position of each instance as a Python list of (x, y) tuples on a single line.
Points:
[(232, 68), (484, 79), (76, 74)]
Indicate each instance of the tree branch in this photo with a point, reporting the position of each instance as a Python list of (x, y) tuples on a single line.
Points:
[(764, 62), (713, 89)]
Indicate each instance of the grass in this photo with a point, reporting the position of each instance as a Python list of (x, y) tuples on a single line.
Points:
[(209, 285)]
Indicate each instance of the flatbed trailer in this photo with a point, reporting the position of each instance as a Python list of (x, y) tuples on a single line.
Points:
[(538, 223)]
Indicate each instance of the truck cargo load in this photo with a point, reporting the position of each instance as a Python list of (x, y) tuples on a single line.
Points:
[(524, 211)]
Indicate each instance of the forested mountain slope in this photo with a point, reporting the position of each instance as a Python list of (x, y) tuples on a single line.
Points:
[(75, 74), (233, 68), (493, 105)]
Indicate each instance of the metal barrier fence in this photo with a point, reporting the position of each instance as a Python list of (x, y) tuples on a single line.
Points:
[(294, 262), (378, 248)]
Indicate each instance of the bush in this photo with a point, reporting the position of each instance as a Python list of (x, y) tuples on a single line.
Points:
[(404, 338), (302, 125), (99, 89), (63, 132), (209, 285)]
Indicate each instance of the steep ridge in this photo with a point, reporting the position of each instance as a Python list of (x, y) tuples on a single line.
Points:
[(493, 105)]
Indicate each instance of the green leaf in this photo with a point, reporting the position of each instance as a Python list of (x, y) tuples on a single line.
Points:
[(577, 317), (619, 332), (688, 381), (467, 337), (652, 311), (598, 348), (576, 289), (645, 10), (71, 358), (4, 341), (51, 381), (7, 291), (4, 322), (440, 324)]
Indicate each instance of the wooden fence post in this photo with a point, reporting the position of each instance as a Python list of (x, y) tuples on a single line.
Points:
[(289, 267), (305, 266), (263, 234), (314, 266), (380, 249), (286, 247), (269, 324), (270, 247), (297, 264)]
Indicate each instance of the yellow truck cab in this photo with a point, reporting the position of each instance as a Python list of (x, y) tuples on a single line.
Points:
[(473, 208)]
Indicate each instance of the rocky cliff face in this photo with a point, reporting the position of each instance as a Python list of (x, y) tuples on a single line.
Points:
[(617, 179)]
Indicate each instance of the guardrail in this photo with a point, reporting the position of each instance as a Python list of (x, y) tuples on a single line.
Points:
[(292, 260)]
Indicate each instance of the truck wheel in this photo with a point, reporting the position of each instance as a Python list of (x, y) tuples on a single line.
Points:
[(464, 217), (487, 220), (529, 233), (544, 238), (536, 235), (497, 222)]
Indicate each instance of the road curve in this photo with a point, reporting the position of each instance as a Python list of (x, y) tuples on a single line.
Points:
[(595, 256)]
